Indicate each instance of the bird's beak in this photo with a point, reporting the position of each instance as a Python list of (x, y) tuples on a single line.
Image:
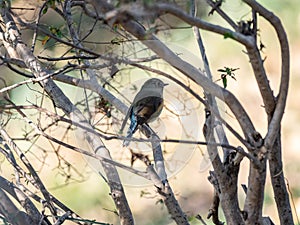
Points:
[(165, 84)]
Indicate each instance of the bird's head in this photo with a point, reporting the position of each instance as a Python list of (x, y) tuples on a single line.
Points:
[(154, 83)]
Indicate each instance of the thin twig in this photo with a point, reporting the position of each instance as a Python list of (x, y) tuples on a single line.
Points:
[(200, 219), (35, 80), (35, 31), (216, 7)]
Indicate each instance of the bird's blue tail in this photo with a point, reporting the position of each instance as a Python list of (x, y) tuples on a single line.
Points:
[(132, 128)]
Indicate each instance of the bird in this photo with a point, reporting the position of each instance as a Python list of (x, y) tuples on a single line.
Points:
[(146, 107)]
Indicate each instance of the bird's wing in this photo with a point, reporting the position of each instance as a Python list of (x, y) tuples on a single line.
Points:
[(145, 108)]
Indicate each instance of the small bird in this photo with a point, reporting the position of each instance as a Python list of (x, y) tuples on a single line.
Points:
[(146, 106)]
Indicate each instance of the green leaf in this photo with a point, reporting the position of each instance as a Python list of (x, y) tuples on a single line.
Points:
[(56, 31), (224, 79), (59, 33), (45, 9), (228, 35)]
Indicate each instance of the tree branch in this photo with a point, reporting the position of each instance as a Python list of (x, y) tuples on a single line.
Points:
[(174, 60), (274, 124), (65, 104), (216, 6), (31, 210), (11, 212), (272, 140), (255, 194), (211, 100)]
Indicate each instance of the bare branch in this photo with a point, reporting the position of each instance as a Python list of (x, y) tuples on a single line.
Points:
[(255, 194), (37, 181), (101, 45), (211, 100), (214, 210), (18, 195), (216, 6), (34, 80), (274, 124), (174, 60), (11, 212), (65, 104), (272, 139)]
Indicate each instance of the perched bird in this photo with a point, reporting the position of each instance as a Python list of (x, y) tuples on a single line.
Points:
[(146, 106)]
